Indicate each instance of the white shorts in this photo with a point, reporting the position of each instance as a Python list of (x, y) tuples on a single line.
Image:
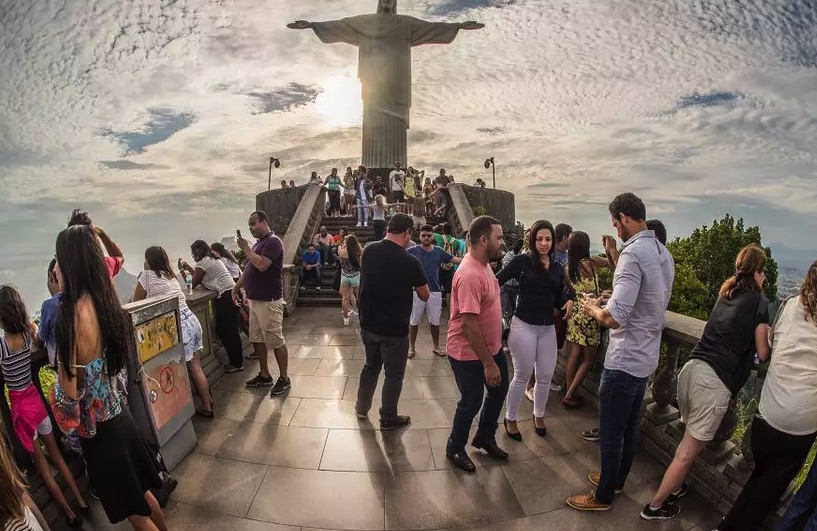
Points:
[(192, 334), (44, 427), (433, 308)]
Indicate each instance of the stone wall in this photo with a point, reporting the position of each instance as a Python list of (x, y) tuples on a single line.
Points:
[(280, 206), (500, 204)]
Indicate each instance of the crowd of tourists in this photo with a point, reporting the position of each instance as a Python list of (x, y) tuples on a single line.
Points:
[(519, 307), (369, 197), (87, 334), (556, 282)]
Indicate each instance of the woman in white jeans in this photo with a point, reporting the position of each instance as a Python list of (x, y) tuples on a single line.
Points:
[(532, 340)]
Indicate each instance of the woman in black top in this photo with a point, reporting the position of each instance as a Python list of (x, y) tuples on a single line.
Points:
[(717, 369), (532, 340)]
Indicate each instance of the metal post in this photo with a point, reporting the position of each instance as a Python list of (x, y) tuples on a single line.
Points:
[(493, 167), (269, 178)]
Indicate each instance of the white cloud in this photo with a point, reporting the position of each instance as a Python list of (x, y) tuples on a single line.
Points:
[(576, 100)]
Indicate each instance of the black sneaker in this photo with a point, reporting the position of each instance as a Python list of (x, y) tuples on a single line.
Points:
[(260, 381), (591, 435), (281, 386), (680, 493), (400, 421), (665, 512)]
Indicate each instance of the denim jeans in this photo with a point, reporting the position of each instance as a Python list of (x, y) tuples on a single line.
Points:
[(802, 511), (327, 256), (470, 376), (387, 353), (620, 399)]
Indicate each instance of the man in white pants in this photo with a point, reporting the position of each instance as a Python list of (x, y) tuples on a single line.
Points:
[(432, 257)]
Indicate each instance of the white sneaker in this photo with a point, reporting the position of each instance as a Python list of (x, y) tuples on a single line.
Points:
[(556, 388), (529, 394), (360, 224), (365, 224), (352, 313), (346, 321), (318, 288)]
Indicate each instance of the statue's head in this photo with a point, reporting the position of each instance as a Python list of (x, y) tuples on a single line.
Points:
[(387, 6)]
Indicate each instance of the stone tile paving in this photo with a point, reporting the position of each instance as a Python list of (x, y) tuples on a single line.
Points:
[(305, 461)]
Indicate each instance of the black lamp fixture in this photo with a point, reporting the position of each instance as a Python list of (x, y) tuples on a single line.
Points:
[(489, 163), (277, 163)]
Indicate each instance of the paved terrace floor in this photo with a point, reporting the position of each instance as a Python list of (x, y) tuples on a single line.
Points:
[(305, 461)]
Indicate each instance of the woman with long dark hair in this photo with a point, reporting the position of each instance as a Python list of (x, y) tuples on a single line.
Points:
[(583, 332), (158, 280), (785, 427), (92, 336), (532, 339), (717, 369), (29, 416), (213, 275), (349, 254), (220, 252)]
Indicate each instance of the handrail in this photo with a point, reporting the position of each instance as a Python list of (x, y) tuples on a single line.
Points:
[(301, 229), (460, 213)]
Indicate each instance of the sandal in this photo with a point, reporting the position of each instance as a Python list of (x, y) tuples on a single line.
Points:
[(439, 352), (570, 402), (411, 353), (205, 414)]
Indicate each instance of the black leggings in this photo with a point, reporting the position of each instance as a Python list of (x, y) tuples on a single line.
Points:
[(778, 458), (334, 201), (226, 328), (379, 227)]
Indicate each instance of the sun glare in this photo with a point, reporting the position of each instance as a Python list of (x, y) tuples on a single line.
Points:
[(339, 102)]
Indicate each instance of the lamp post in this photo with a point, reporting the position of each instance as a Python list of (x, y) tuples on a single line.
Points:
[(272, 162), (489, 163)]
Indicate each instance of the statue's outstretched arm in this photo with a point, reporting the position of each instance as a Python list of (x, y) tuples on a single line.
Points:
[(300, 24), (471, 25)]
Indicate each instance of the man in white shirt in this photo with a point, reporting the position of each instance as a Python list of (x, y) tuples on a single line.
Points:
[(397, 179)]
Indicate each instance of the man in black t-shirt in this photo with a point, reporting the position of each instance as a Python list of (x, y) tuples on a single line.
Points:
[(389, 276)]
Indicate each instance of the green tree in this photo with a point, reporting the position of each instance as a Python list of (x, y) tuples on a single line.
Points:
[(706, 258)]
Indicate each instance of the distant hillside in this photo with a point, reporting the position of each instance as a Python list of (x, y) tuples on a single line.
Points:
[(124, 283)]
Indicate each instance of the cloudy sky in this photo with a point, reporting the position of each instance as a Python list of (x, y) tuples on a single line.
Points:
[(159, 116)]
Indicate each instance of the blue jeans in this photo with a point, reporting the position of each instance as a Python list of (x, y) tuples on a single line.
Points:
[(470, 376), (620, 398), (802, 511)]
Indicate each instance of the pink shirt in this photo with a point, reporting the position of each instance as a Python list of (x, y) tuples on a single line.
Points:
[(475, 290)]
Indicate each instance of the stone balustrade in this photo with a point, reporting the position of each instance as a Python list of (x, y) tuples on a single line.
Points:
[(723, 467)]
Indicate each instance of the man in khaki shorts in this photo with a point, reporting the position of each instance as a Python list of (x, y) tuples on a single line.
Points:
[(263, 283)]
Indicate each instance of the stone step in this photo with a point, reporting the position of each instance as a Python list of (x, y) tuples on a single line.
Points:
[(307, 300)]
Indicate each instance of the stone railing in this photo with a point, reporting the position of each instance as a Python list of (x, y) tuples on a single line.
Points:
[(301, 230), (280, 206), (213, 360), (460, 214), (723, 467)]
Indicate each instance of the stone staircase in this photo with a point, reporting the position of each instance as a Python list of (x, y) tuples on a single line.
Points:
[(326, 296)]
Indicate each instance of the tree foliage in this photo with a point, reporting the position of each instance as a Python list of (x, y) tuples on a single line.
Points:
[(705, 258)]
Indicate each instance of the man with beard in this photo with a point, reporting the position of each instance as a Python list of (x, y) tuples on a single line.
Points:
[(635, 315), (475, 345)]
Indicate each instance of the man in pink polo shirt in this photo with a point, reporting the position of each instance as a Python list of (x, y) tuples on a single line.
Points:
[(475, 345)]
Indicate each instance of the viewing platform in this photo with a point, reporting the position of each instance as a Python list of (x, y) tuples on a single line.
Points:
[(304, 461)]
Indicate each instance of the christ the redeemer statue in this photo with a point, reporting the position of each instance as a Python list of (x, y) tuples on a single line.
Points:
[(384, 41)]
